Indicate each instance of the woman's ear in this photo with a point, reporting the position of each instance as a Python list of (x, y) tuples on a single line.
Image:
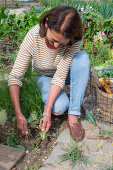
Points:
[(46, 23)]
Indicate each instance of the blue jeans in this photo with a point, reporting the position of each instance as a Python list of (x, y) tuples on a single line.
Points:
[(77, 78)]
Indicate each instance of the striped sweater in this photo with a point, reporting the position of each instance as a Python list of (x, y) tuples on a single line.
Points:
[(48, 62)]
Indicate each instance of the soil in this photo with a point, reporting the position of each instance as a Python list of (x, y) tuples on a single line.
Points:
[(37, 149)]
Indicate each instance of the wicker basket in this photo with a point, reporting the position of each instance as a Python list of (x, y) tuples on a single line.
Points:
[(103, 100), (105, 104)]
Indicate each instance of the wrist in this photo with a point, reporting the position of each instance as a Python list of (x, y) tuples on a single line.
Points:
[(48, 106), (18, 114)]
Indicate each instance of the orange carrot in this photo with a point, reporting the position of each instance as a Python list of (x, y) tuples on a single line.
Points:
[(104, 84)]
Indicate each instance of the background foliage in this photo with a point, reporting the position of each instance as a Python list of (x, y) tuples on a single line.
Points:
[(97, 21)]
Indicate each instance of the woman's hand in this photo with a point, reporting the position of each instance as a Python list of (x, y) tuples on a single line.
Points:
[(45, 122), (22, 124)]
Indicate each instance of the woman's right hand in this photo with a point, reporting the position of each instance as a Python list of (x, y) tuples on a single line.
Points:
[(22, 124), (45, 122)]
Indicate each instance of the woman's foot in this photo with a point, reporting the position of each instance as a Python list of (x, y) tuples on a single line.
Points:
[(76, 130)]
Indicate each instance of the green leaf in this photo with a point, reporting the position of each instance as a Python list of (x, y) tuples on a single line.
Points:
[(89, 116), (29, 120), (12, 140), (20, 147), (3, 116)]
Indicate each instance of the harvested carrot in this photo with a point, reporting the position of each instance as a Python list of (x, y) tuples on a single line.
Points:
[(104, 84), (108, 82)]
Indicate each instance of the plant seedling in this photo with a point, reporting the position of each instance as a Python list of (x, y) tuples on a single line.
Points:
[(37, 153), (35, 167), (43, 134), (14, 142)]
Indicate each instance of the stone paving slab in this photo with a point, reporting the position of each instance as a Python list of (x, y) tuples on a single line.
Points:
[(98, 151)]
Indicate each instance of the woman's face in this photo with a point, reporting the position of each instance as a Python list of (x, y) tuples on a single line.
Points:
[(55, 39)]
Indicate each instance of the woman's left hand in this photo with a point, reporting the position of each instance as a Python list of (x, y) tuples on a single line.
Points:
[(45, 122)]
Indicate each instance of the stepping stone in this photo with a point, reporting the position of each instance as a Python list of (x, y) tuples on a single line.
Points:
[(9, 157)]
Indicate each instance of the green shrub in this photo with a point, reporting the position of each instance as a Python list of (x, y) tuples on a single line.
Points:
[(98, 53)]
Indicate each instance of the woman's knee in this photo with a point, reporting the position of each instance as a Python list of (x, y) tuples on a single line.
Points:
[(80, 61), (60, 106)]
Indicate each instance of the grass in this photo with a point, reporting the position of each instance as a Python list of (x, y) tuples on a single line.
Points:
[(109, 167), (107, 132), (75, 154)]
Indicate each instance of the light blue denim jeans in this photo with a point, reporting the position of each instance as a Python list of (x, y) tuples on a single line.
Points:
[(77, 78)]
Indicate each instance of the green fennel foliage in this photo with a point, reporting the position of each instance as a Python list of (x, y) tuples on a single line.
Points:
[(30, 96)]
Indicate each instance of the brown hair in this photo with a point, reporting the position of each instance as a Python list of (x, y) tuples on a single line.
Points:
[(63, 19)]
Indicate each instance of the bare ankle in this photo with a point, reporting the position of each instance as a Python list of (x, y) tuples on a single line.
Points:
[(72, 118)]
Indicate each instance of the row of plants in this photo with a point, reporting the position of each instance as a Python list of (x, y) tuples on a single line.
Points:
[(98, 29), (97, 16), (97, 19), (14, 27)]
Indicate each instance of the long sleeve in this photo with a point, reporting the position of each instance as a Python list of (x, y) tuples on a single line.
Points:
[(63, 66), (22, 61)]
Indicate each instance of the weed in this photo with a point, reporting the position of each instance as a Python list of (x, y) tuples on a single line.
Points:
[(107, 132), (109, 167), (37, 153), (36, 145), (35, 167), (74, 154)]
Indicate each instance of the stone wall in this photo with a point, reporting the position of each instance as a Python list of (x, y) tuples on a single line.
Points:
[(16, 3)]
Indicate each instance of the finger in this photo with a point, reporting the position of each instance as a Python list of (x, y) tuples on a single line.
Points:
[(25, 128), (23, 132), (40, 125), (21, 128), (47, 127), (44, 125)]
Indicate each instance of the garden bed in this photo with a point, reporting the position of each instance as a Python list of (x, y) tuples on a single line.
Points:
[(98, 42), (37, 149)]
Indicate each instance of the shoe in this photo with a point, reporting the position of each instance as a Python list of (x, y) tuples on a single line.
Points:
[(76, 131)]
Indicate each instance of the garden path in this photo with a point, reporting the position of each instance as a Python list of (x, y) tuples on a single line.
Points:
[(98, 149)]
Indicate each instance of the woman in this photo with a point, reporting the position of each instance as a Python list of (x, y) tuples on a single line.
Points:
[(54, 45)]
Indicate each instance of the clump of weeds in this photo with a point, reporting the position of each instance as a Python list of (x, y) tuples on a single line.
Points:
[(107, 132), (75, 154)]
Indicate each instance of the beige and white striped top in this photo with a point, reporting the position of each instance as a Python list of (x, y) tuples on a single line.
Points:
[(49, 62)]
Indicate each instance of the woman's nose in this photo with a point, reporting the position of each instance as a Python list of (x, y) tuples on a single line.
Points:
[(56, 45)]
